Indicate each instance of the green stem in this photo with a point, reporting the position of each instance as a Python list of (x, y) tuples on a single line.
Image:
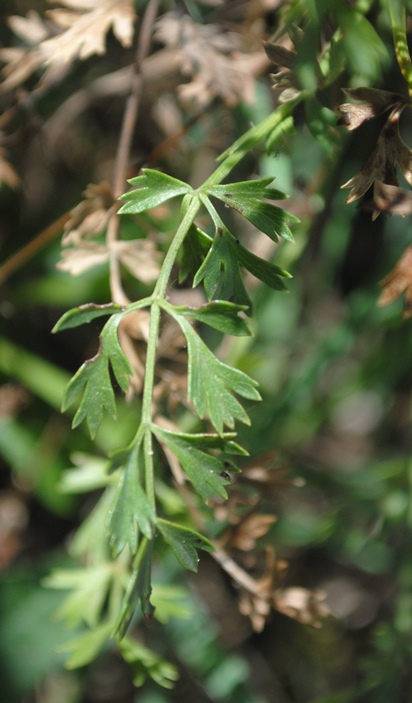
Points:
[(158, 294), (191, 211), (149, 470), (191, 207), (397, 14), (231, 157)]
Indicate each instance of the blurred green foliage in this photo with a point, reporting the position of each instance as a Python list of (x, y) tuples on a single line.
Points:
[(335, 375)]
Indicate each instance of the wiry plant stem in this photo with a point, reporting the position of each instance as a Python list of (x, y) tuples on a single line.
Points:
[(158, 293), (191, 208), (231, 157), (133, 102), (397, 14), (125, 140)]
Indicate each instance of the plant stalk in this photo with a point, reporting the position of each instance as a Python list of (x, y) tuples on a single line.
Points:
[(159, 293), (231, 158)]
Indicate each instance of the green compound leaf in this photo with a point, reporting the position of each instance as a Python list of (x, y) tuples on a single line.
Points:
[(138, 590), (248, 190), (246, 198), (204, 440), (89, 588), (211, 383), (321, 121), (184, 543), (195, 247), (146, 663), (276, 137), (90, 474), (397, 13), (221, 315), (94, 381), (84, 314), (130, 510), (84, 649), (362, 44), (89, 543), (208, 474), (152, 189), (220, 271)]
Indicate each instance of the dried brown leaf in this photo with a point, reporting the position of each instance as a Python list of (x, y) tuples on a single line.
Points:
[(230, 78), (249, 528), (21, 62), (85, 26), (140, 257), (399, 282), (19, 65), (136, 324), (391, 199), (133, 326), (257, 601), (269, 476), (390, 153), (179, 475), (91, 215), (286, 83), (32, 29), (175, 31), (83, 256), (256, 608), (302, 605), (212, 59), (173, 388), (279, 55), (286, 80), (372, 102)]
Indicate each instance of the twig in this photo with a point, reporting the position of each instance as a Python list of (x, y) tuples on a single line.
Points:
[(241, 577), (123, 149), (21, 256), (133, 101)]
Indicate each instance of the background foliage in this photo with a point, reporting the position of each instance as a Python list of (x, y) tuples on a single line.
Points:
[(323, 505)]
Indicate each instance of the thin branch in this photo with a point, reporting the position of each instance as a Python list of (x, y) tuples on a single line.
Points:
[(115, 275), (21, 256), (238, 574), (123, 150), (133, 102)]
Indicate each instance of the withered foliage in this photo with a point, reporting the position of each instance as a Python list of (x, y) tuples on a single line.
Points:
[(76, 30), (213, 60), (390, 152), (254, 565), (213, 63), (89, 219), (399, 282), (83, 27), (392, 199), (284, 80), (372, 103), (380, 176)]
